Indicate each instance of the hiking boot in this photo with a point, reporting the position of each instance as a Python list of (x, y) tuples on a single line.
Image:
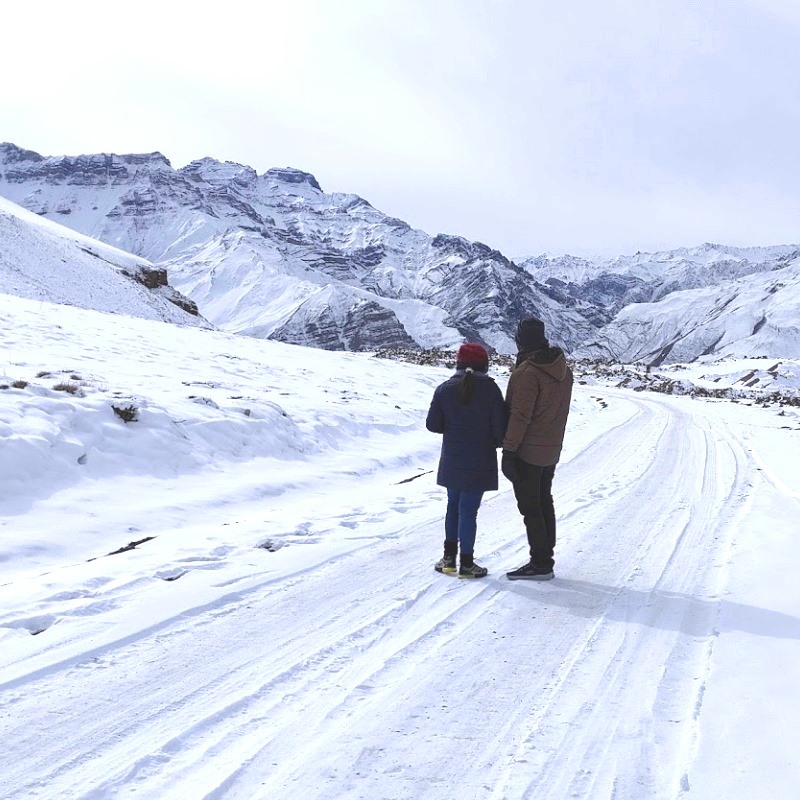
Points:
[(446, 564), (473, 570), (530, 572)]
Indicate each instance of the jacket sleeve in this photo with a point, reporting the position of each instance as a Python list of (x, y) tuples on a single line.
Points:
[(521, 400), (499, 417), (435, 421)]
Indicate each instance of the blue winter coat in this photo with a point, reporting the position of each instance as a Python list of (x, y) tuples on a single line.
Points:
[(472, 432)]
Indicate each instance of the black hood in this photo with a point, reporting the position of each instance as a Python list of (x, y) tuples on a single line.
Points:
[(549, 359)]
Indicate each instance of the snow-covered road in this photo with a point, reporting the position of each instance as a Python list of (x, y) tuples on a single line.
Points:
[(364, 674)]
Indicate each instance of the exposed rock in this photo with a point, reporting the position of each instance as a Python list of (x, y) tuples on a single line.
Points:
[(153, 278), (11, 154), (365, 325), (291, 175), (176, 298)]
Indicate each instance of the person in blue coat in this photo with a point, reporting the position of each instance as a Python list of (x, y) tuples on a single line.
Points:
[(468, 410)]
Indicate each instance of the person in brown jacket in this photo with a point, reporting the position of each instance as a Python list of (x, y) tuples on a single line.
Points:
[(537, 402)]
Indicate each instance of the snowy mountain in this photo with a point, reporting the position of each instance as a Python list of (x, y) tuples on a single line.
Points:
[(274, 256), (683, 304), (41, 260), (751, 316), (648, 277)]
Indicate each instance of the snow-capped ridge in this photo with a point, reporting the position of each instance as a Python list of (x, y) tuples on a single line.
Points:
[(84, 170)]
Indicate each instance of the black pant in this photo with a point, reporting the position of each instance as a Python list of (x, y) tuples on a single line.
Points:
[(534, 496)]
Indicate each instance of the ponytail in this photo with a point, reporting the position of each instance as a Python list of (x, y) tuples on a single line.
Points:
[(466, 386)]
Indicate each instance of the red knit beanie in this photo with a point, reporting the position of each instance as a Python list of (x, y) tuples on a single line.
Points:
[(472, 355)]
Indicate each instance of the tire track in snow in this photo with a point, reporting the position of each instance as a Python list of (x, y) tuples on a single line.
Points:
[(613, 744), (145, 716), (290, 774), (295, 678), (221, 704), (302, 691), (249, 588), (405, 656), (322, 708), (754, 476)]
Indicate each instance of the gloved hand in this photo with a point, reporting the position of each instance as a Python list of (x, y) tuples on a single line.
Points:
[(508, 465)]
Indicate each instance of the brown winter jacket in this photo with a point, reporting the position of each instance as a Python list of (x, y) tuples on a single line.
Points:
[(537, 401)]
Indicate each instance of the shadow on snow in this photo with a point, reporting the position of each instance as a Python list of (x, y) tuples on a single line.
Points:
[(693, 616)]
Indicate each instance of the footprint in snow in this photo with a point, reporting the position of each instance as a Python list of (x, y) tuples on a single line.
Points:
[(76, 594), (34, 625), (91, 609), (171, 574), (203, 562)]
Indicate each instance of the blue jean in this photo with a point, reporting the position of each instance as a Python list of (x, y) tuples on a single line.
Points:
[(461, 520)]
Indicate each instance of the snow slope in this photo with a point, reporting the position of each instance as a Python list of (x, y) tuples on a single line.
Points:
[(42, 260), (283, 634)]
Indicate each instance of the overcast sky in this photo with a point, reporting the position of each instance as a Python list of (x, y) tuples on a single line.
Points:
[(574, 126)]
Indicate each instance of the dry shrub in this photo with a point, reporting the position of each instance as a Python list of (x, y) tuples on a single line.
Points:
[(70, 388), (127, 413)]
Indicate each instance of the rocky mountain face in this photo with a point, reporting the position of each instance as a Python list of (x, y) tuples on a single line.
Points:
[(614, 283), (684, 304), (758, 315), (272, 255)]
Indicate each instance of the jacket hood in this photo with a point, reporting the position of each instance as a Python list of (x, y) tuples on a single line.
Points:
[(550, 360)]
